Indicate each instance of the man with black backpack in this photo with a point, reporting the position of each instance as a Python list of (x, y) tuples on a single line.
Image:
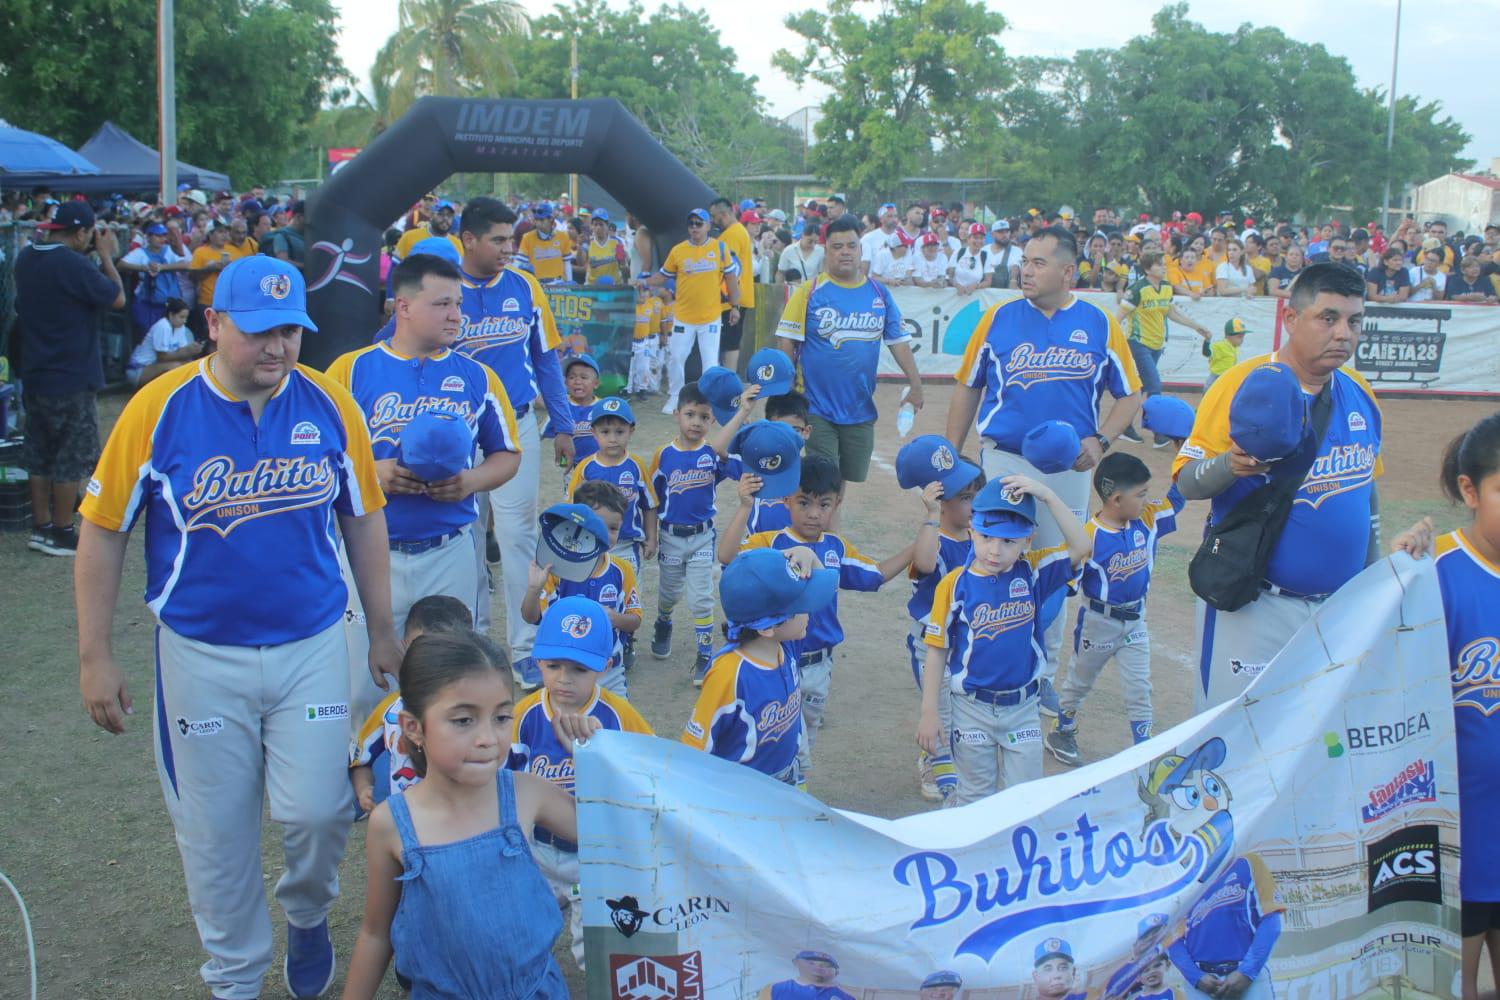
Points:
[(1287, 447)]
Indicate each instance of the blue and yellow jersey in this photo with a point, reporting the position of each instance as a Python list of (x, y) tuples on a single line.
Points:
[(233, 504), (535, 747), (750, 712), (684, 480), (607, 260), (508, 327), (648, 317), (699, 270), (1327, 536), (737, 240), (391, 389), (1118, 571), (381, 734), (1470, 586), (856, 572), (612, 585), (841, 328), (1221, 924), (584, 442), (629, 475), (988, 624), (550, 258), (953, 552), (1033, 368)]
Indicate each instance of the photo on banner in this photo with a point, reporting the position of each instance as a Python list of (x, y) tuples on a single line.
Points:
[(1304, 835)]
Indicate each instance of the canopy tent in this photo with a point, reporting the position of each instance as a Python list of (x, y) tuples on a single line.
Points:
[(26, 154), (118, 152)]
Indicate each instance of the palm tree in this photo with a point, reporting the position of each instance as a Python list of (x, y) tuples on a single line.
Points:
[(451, 48)]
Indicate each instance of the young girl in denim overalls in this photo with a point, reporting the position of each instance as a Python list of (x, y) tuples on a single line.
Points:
[(453, 889)]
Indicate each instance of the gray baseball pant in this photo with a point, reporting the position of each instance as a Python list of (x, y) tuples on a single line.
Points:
[(815, 680), (234, 723), (1096, 640), (994, 746), (1235, 646), (687, 562)]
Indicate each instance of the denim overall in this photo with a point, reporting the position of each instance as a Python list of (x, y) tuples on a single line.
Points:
[(476, 919)]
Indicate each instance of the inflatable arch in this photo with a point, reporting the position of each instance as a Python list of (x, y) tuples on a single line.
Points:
[(442, 136)]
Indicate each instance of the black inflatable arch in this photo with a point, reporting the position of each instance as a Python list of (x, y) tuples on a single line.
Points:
[(442, 136)]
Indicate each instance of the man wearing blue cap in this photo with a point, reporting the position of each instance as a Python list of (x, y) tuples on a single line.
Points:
[(1048, 355), (438, 226), (547, 250), (1332, 530), (430, 512), (817, 979), (243, 464), (156, 266), (605, 251)]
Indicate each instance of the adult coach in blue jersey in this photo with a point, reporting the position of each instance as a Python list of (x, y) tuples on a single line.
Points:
[(508, 326), (1333, 531), (833, 327), (246, 467), (1048, 355)]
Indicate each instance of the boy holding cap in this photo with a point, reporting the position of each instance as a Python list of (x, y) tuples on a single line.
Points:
[(750, 708), (614, 424), (984, 638), (574, 645), (948, 483), (1112, 611)]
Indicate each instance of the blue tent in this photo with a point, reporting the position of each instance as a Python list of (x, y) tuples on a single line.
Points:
[(23, 152), (118, 152)]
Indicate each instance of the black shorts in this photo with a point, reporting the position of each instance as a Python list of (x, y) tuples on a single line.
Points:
[(731, 333), (62, 436), (1478, 917)]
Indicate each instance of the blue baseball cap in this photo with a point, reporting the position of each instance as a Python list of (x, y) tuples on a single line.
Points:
[(571, 540), (1268, 415), (601, 215), (1169, 416), (261, 293), (576, 628), (437, 246), (1205, 757), (746, 204), (771, 450), (156, 229), (760, 589), (815, 956), (1052, 446), (1150, 924), (442, 206), (1002, 511), (542, 210), (943, 977), (773, 371), (612, 406), (701, 214), (723, 388), (929, 458), (580, 359), (436, 444), (1053, 948)]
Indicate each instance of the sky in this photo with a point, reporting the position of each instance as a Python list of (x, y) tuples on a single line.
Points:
[(1438, 38)]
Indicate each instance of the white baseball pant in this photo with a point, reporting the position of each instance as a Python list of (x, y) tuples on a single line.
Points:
[(1235, 646), (688, 562), (515, 508), (561, 870), (1259, 989), (1096, 640), (994, 746), (1073, 489), (629, 550), (680, 345), (815, 679), (234, 723), (640, 365)]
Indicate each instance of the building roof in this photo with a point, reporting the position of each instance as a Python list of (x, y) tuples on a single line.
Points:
[(1493, 183)]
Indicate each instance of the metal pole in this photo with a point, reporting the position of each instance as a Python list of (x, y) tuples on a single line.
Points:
[(1390, 126), (166, 99), (573, 76)]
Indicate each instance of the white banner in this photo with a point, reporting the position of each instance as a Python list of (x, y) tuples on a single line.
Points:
[(1442, 347), (1313, 819)]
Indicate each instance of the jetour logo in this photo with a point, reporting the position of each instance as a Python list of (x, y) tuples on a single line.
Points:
[(223, 497)]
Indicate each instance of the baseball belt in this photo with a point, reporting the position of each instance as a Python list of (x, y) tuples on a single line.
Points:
[(1220, 969), (816, 656), (1119, 612), (686, 530), (543, 836), (1271, 588), (425, 544), (1009, 696)]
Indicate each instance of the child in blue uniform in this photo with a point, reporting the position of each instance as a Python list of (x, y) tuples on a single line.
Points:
[(463, 906), (574, 646), (767, 514), (1112, 613), (613, 424), (581, 376), (1468, 568), (750, 708)]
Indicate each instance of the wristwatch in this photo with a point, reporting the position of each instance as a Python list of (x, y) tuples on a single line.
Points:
[(1103, 441)]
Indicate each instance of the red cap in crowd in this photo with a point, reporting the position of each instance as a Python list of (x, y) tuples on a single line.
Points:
[(939, 213), (1145, 216), (1249, 222), (976, 229), (930, 239), (749, 217), (1194, 217)]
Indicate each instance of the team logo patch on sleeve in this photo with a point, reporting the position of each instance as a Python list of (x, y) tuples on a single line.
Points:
[(306, 432), (94, 488), (1356, 421), (453, 384)]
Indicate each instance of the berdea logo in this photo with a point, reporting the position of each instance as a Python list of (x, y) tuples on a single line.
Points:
[(1387, 735), (306, 432), (1406, 866), (1416, 782), (656, 977), (331, 712)]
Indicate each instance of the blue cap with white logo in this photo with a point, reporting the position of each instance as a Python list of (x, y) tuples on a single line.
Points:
[(943, 977), (723, 388), (1002, 511), (261, 293), (760, 588), (771, 450), (437, 246), (930, 458), (436, 445), (571, 540), (1268, 414), (612, 406), (773, 371), (1053, 947), (601, 215), (577, 629), (580, 359), (700, 214), (1051, 446), (1151, 922), (443, 206), (1168, 416)]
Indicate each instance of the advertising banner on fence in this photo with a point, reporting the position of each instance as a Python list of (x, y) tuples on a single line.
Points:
[(1435, 346), (1303, 837)]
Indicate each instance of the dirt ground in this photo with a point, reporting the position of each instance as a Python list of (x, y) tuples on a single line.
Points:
[(85, 837)]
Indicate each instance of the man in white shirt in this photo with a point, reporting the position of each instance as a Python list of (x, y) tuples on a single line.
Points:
[(877, 239), (930, 268), (893, 262), (970, 268), (1428, 281), (803, 260), (1005, 258)]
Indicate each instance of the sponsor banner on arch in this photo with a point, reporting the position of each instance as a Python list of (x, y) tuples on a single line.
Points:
[(1304, 835), (1440, 347)]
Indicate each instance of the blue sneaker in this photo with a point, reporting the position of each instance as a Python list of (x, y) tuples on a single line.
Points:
[(310, 964), (1047, 700), (531, 674), (700, 669)]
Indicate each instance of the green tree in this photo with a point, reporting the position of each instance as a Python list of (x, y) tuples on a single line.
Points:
[(250, 74), (450, 48), (915, 76)]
